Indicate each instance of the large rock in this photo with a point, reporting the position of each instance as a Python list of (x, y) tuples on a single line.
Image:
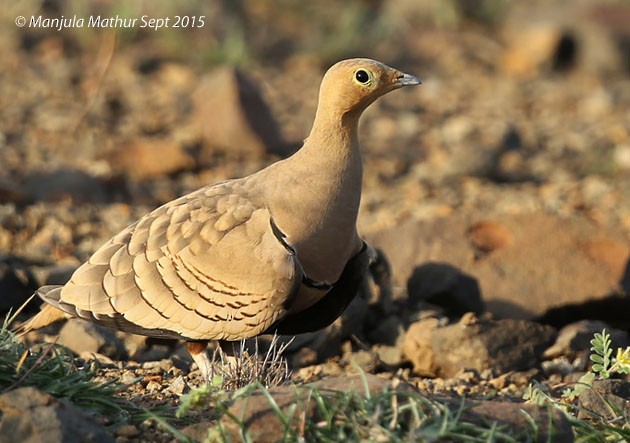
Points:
[(230, 115), (532, 263), (501, 345), (28, 415), (472, 343)]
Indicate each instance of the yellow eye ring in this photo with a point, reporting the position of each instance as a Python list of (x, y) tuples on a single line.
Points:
[(363, 77)]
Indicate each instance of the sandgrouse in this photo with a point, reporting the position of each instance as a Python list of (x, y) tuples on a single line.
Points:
[(276, 251)]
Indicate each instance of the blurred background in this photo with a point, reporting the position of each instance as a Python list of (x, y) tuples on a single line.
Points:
[(511, 162)]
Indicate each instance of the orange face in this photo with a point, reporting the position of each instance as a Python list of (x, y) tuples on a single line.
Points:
[(352, 85)]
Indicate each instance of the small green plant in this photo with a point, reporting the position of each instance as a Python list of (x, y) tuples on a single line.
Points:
[(388, 416), (52, 369), (604, 364), (210, 393)]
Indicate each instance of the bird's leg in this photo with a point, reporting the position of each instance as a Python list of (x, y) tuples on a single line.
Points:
[(199, 352)]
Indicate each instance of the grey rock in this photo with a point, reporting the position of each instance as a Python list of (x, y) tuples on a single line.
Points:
[(551, 423), (576, 337), (502, 345), (57, 274), (28, 415), (607, 398)]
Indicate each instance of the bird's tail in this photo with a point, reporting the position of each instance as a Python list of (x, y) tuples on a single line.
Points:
[(46, 316)]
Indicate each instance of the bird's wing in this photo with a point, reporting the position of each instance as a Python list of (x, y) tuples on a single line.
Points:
[(209, 265), (331, 306)]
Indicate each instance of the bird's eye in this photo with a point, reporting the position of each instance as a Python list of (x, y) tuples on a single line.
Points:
[(362, 76)]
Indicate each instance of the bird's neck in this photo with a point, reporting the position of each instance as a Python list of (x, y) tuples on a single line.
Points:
[(333, 139), (332, 149), (321, 221)]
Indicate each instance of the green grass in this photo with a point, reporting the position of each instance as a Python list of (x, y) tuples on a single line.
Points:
[(604, 365), (325, 415), (52, 369), (316, 414)]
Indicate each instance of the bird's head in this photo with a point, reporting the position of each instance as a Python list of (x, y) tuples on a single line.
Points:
[(350, 86)]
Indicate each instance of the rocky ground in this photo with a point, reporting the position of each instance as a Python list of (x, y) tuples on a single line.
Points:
[(499, 190)]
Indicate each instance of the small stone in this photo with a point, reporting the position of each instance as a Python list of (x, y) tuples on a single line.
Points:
[(128, 377), (499, 382), (127, 431), (178, 386), (489, 236), (361, 360), (153, 386), (390, 355), (29, 415), (82, 336), (102, 360), (156, 367)]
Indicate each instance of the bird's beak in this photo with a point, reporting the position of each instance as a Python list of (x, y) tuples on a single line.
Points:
[(403, 79)]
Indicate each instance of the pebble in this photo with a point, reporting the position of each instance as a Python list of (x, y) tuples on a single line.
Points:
[(128, 431), (178, 385)]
